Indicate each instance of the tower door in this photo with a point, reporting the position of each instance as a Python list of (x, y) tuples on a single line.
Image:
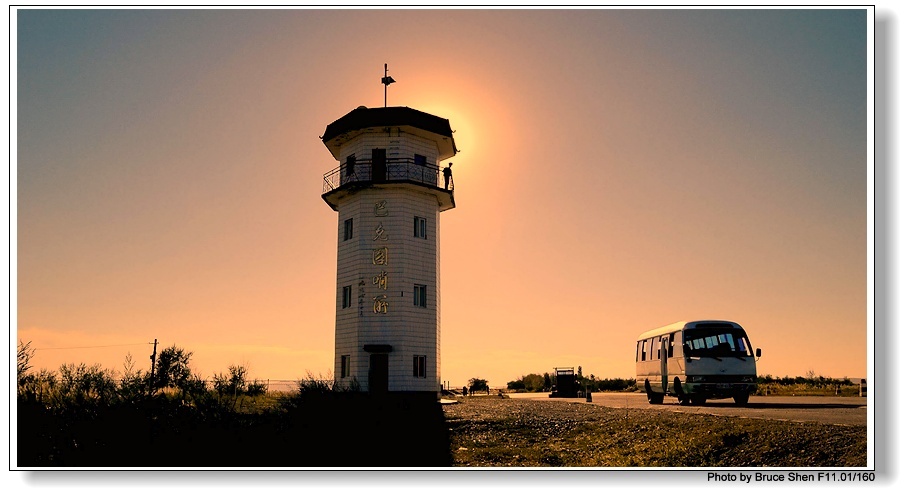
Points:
[(378, 373), (379, 167)]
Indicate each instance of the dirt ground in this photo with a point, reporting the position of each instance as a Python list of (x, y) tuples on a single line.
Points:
[(503, 432)]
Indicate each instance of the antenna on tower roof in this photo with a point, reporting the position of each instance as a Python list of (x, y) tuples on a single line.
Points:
[(387, 80)]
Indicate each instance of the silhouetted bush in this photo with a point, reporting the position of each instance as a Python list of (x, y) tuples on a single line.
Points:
[(811, 385), (88, 421), (541, 383)]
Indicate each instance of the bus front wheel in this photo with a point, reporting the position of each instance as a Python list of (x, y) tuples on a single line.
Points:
[(740, 399)]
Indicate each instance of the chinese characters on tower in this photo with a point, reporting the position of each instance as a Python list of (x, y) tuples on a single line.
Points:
[(380, 258)]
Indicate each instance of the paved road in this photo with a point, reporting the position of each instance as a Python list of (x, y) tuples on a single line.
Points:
[(849, 411)]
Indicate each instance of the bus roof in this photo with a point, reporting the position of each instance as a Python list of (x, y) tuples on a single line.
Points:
[(682, 325)]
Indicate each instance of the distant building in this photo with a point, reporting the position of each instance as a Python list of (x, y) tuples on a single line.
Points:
[(389, 190)]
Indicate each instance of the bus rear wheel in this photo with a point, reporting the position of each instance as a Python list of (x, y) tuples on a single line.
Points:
[(652, 397), (740, 399)]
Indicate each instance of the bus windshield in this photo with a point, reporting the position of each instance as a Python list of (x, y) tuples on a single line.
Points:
[(716, 342)]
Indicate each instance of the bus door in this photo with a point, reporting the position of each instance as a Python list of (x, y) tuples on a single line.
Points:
[(664, 373)]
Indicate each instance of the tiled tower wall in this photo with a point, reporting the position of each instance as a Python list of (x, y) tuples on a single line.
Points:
[(383, 218), (397, 143)]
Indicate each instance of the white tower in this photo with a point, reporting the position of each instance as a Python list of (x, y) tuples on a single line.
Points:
[(389, 191)]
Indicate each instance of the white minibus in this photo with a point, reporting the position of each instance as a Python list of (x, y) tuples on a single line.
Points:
[(695, 361)]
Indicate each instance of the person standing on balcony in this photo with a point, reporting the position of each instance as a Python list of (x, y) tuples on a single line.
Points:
[(446, 172)]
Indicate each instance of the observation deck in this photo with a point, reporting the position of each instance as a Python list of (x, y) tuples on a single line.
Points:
[(349, 178), (395, 125)]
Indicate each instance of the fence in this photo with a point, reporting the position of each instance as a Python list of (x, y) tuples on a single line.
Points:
[(389, 170)]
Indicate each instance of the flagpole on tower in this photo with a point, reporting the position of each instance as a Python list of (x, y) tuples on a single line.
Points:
[(387, 80)]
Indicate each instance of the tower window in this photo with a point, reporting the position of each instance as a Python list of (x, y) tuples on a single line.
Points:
[(419, 159), (345, 366), (346, 296), (349, 165), (348, 229), (419, 366), (419, 295), (419, 227)]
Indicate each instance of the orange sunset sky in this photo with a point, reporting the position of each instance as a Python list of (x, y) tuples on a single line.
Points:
[(619, 170)]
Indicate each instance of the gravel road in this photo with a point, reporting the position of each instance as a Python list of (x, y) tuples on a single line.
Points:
[(850, 411), (502, 432)]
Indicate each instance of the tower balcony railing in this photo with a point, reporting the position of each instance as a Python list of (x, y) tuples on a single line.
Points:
[(389, 170)]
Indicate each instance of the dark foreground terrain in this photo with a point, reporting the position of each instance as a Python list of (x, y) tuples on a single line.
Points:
[(321, 430), (496, 432), (356, 431)]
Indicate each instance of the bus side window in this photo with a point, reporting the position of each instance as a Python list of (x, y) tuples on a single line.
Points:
[(651, 342), (643, 353), (670, 339), (677, 340)]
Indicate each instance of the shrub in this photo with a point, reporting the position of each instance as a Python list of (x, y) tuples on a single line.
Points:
[(82, 383)]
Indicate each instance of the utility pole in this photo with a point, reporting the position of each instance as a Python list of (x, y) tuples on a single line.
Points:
[(151, 378)]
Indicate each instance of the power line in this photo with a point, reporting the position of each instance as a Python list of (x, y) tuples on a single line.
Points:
[(83, 347)]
